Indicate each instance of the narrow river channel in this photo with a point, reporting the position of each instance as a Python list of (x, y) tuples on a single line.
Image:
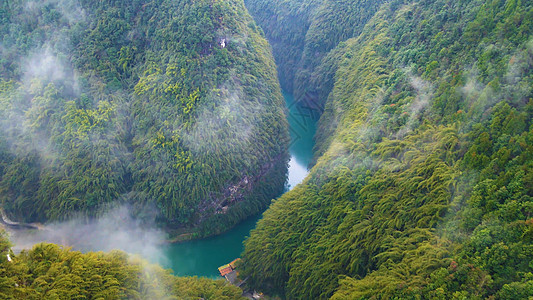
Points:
[(203, 257)]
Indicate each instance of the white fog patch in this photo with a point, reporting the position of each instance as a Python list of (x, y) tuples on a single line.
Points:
[(70, 9), (516, 76), (20, 112), (472, 88), (117, 229), (424, 94), (226, 38), (228, 120), (478, 97), (43, 64)]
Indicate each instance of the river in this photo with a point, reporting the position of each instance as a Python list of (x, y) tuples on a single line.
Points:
[(203, 257)]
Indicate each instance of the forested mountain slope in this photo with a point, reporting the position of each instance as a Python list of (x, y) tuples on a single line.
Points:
[(302, 32), (50, 272), (424, 184), (172, 105)]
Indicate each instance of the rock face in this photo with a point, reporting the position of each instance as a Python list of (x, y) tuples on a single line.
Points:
[(162, 105)]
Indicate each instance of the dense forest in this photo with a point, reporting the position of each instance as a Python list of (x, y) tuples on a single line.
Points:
[(303, 32), (50, 272), (166, 105), (423, 185)]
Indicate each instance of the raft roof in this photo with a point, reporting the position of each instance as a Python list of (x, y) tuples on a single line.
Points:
[(232, 264), (225, 271)]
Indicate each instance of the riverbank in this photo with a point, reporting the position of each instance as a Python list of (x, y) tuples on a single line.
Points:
[(7, 224)]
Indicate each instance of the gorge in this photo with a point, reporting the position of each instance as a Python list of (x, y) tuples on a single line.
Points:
[(168, 117)]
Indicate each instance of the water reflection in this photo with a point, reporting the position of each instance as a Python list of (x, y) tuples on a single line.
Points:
[(302, 126)]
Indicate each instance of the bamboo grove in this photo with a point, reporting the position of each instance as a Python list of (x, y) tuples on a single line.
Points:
[(423, 183), (50, 272), (164, 105)]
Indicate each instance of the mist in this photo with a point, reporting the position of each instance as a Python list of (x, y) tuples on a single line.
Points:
[(70, 9), (117, 229), (25, 129), (210, 126)]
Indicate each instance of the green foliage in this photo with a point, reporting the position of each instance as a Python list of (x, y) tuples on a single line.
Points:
[(50, 272), (137, 101), (422, 189), (303, 32)]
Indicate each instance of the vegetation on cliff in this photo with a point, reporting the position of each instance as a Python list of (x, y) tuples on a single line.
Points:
[(303, 32), (423, 188), (172, 105)]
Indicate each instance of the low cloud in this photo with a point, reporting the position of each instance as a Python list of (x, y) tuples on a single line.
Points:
[(43, 64), (116, 229), (424, 95), (70, 9)]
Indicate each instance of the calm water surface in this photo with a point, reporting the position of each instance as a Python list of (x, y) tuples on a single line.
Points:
[(203, 257)]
